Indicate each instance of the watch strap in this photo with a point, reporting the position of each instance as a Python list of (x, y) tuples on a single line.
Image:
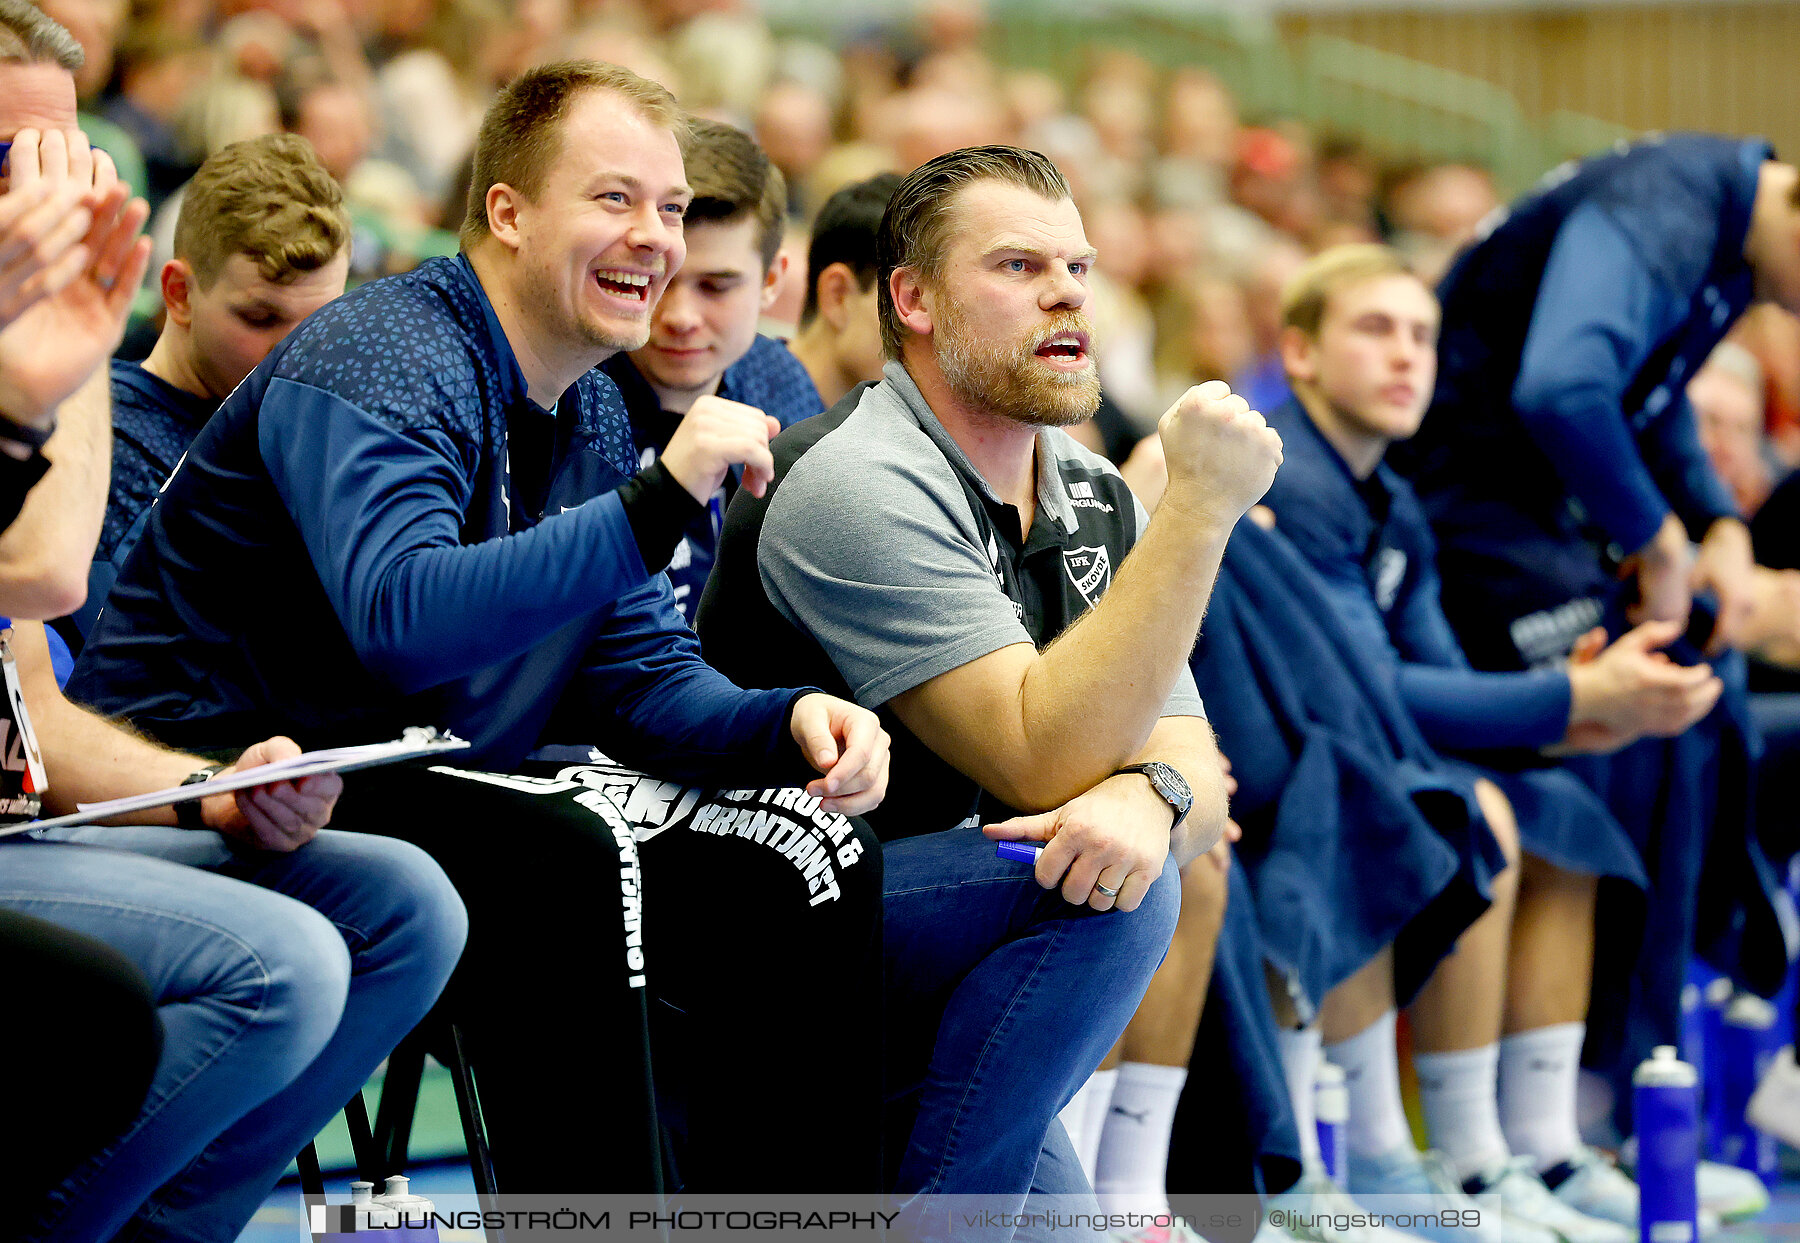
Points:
[(1152, 772), (188, 812)]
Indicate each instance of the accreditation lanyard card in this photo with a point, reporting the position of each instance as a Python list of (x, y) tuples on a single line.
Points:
[(415, 743)]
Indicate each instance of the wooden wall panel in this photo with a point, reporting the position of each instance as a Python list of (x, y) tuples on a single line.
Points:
[(1729, 67)]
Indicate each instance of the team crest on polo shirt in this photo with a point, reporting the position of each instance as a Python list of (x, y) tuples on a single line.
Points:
[(1090, 569)]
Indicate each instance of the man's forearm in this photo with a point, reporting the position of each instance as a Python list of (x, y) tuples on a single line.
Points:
[(1037, 729), (1093, 697), (44, 554), (88, 758)]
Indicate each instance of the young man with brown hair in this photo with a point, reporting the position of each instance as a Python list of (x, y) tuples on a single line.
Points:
[(1497, 1029), (262, 242), (425, 507), (704, 347)]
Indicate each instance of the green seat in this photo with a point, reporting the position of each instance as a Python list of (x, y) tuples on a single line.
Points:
[(1574, 135), (1413, 109)]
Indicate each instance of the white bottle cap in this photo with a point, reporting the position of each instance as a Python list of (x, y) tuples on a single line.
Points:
[(1664, 1069), (1331, 1099), (1749, 1010)]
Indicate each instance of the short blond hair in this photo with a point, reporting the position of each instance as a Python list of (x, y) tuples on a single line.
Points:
[(29, 36), (268, 198), (1306, 296), (521, 135)]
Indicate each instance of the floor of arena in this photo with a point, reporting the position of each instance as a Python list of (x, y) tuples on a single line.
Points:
[(439, 1170)]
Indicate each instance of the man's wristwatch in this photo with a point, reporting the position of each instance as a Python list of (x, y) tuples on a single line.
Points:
[(1169, 785), (187, 813)]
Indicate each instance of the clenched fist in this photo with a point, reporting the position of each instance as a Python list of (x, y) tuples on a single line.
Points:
[(1221, 454), (716, 435)]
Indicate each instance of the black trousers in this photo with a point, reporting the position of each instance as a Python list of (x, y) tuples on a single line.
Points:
[(750, 928), (79, 1046)]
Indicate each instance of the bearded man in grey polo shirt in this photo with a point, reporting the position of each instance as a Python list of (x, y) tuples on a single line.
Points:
[(936, 548)]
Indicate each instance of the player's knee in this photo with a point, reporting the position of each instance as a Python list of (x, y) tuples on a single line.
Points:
[(1205, 891), (1497, 810)]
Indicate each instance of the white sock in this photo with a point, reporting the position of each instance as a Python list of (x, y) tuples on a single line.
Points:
[(1462, 1114), (1133, 1166), (1539, 1074), (1300, 1063), (1371, 1065), (1084, 1117)]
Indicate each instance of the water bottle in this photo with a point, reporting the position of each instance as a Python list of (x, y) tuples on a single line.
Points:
[(1331, 1108), (1747, 1041), (410, 1215), (1666, 1104), (1709, 1056)]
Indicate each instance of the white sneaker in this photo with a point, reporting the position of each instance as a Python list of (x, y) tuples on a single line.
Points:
[(1524, 1198), (1423, 1185), (1775, 1105), (1728, 1193), (1594, 1187), (1304, 1211)]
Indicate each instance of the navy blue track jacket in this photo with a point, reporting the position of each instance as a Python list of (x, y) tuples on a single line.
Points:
[(344, 553), (1559, 435)]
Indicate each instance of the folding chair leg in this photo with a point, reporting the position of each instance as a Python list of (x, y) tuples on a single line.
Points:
[(468, 1104), (362, 1143), (399, 1101), (312, 1183)]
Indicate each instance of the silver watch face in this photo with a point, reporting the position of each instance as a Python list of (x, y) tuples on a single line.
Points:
[(1172, 786)]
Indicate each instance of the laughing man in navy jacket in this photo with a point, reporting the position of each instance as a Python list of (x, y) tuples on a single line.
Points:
[(425, 507)]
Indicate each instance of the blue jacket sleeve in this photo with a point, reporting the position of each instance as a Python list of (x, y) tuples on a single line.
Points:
[(648, 700), (383, 528), (1456, 707), (1463, 709), (1598, 315), (1675, 456)]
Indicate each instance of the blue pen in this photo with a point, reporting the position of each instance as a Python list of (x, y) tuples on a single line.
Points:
[(1024, 852), (715, 508)]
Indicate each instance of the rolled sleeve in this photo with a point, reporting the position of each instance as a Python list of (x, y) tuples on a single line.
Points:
[(887, 578)]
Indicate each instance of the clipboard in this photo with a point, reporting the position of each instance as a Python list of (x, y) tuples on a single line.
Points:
[(415, 742)]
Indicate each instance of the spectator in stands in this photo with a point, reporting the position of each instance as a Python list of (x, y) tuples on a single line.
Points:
[(839, 342), (158, 67), (271, 1020), (261, 243), (1727, 396), (1359, 352), (975, 533), (704, 352), (793, 124), (440, 488)]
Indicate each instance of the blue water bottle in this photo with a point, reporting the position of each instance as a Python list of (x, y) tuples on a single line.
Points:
[(1666, 1103), (1331, 1110), (1747, 1045)]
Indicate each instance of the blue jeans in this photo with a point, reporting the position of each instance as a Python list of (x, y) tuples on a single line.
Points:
[(278, 997), (1002, 1000)]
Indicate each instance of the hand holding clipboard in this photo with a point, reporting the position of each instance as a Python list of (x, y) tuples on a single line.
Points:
[(416, 742)]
